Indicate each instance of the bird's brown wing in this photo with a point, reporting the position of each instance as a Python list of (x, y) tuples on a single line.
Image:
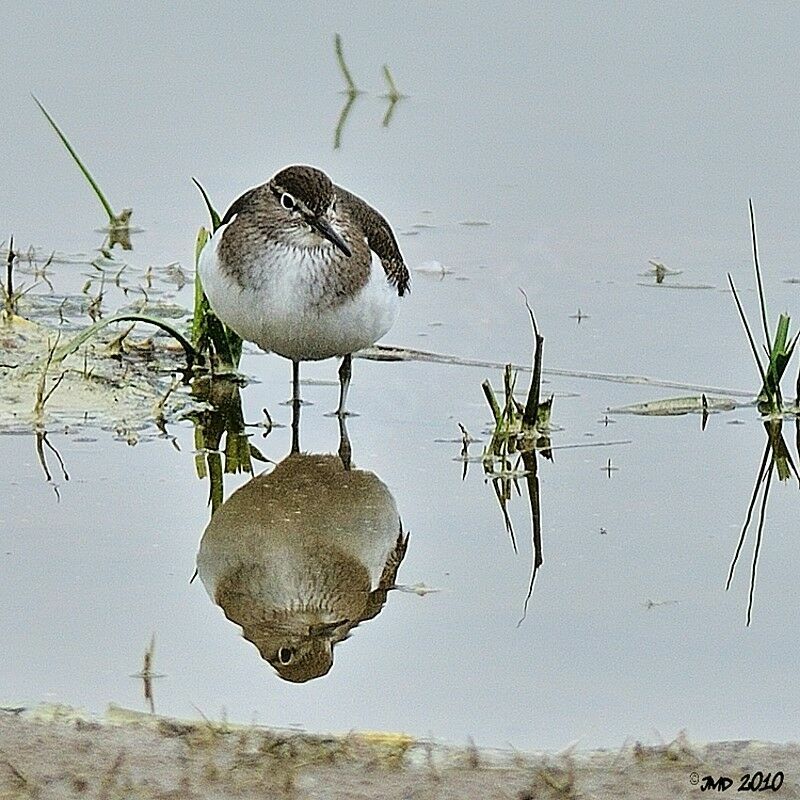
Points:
[(241, 203), (380, 238)]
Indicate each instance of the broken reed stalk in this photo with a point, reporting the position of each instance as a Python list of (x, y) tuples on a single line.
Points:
[(113, 219), (149, 654), (531, 413), (497, 412), (351, 84), (394, 95)]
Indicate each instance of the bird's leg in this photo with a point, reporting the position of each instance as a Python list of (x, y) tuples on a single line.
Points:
[(345, 450), (345, 371), (295, 381), (295, 427), (295, 406)]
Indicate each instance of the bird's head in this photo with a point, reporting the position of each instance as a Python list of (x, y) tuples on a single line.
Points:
[(306, 196)]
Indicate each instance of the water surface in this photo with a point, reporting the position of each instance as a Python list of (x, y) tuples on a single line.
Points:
[(590, 143)]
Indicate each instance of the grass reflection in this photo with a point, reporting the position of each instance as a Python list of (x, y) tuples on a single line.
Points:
[(223, 418), (520, 433), (776, 459)]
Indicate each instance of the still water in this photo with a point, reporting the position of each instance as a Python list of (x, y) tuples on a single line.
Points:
[(590, 141)]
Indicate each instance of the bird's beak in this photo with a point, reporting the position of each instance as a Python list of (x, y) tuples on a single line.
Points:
[(326, 229), (326, 628)]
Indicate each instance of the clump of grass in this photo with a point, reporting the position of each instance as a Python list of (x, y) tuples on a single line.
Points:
[(209, 333), (516, 426), (520, 431), (778, 350), (118, 224)]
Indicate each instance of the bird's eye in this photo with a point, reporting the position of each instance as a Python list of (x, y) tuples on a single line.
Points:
[(284, 654), (287, 201)]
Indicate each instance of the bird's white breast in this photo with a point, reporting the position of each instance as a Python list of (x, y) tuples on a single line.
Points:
[(278, 302)]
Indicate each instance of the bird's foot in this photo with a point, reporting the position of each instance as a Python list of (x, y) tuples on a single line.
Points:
[(299, 402), (342, 413)]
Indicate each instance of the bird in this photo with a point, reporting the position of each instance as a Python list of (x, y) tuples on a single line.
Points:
[(300, 556), (305, 269)]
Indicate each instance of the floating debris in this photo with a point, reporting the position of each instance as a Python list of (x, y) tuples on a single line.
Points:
[(677, 406), (433, 268)]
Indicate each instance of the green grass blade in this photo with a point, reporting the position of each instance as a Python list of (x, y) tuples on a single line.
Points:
[(215, 218), (73, 344), (779, 359), (761, 298), (100, 196), (201, 307), (750, 338), (206, 326)]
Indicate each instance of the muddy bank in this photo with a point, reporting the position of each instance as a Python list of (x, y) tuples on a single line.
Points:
[(57, 752)]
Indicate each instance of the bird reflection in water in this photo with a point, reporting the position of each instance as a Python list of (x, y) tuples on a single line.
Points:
[(299, 556)]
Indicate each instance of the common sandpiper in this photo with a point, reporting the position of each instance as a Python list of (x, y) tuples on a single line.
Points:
[(305, 269)]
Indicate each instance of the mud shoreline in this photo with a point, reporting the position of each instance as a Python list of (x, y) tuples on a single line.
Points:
[(59, 752)]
